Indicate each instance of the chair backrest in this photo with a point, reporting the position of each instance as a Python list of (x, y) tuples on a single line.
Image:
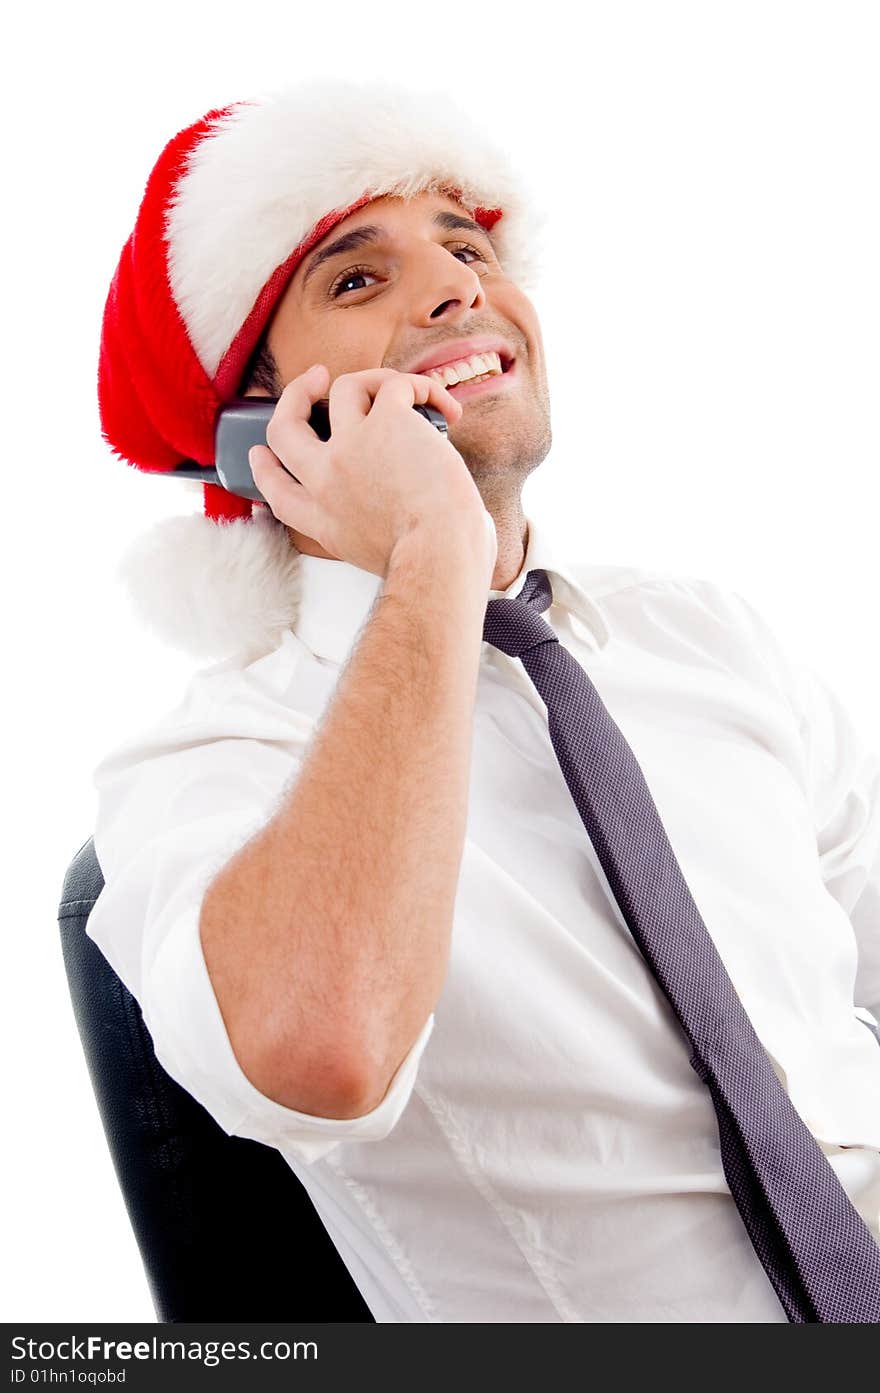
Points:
[(225, 1229)]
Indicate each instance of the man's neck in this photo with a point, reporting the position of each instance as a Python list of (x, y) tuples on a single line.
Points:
[(513, 540)]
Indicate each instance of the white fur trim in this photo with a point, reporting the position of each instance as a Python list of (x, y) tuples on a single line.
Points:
[(272, 168), (215, 590)]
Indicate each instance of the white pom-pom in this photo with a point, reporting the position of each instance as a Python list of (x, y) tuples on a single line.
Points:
[(215, 589)]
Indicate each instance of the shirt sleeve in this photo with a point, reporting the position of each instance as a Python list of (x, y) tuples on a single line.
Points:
[(170, 814), (842, 776)]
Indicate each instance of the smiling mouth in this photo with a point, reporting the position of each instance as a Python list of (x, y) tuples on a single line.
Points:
[(498, 377)]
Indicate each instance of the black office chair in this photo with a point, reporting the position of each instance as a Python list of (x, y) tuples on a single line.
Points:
[(225, 1229)]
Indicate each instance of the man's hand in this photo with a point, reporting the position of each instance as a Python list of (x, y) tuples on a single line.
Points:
[(384, 474)]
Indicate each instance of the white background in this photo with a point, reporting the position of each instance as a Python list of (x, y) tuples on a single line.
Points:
[(710, 312)]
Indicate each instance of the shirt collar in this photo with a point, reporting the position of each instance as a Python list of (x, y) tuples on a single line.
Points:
[(335, 597)]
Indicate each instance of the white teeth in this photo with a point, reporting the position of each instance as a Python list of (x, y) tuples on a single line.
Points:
[(465, 368), (448, 375)]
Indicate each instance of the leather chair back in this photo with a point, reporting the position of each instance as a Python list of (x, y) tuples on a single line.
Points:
[(226, 1231)]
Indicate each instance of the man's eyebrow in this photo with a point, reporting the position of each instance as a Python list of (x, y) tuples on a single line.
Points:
[(368, 234)]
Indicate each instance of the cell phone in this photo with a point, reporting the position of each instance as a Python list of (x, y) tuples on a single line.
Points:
[(242, 423)]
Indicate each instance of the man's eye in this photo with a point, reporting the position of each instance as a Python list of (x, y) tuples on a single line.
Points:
[(481, 256), (359, 272), (353, 274)]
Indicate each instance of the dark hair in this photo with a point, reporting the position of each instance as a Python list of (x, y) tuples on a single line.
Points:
[(262, 370)]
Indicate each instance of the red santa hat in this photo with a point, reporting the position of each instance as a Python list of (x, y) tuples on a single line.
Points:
[(233, 204)]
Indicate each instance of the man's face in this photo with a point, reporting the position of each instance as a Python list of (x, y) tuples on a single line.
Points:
[(417, 287)]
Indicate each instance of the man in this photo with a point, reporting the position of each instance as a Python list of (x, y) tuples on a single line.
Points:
[(346, 880)]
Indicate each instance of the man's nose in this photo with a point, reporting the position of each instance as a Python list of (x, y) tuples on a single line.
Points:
[(446, 285)]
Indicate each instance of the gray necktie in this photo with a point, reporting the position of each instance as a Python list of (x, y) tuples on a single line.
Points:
[(814, 1245)]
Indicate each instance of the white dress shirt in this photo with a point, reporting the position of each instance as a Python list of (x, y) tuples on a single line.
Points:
[(545, 1152)]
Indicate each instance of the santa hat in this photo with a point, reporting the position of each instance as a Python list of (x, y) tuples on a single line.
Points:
[(233, 204)]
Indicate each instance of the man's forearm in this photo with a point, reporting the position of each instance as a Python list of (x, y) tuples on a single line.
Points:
[(327, 936)]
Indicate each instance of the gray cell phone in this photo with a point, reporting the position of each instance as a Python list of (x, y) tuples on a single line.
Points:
[(242, 423)]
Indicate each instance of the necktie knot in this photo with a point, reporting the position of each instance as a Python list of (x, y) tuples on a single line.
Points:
[(514, 624)]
